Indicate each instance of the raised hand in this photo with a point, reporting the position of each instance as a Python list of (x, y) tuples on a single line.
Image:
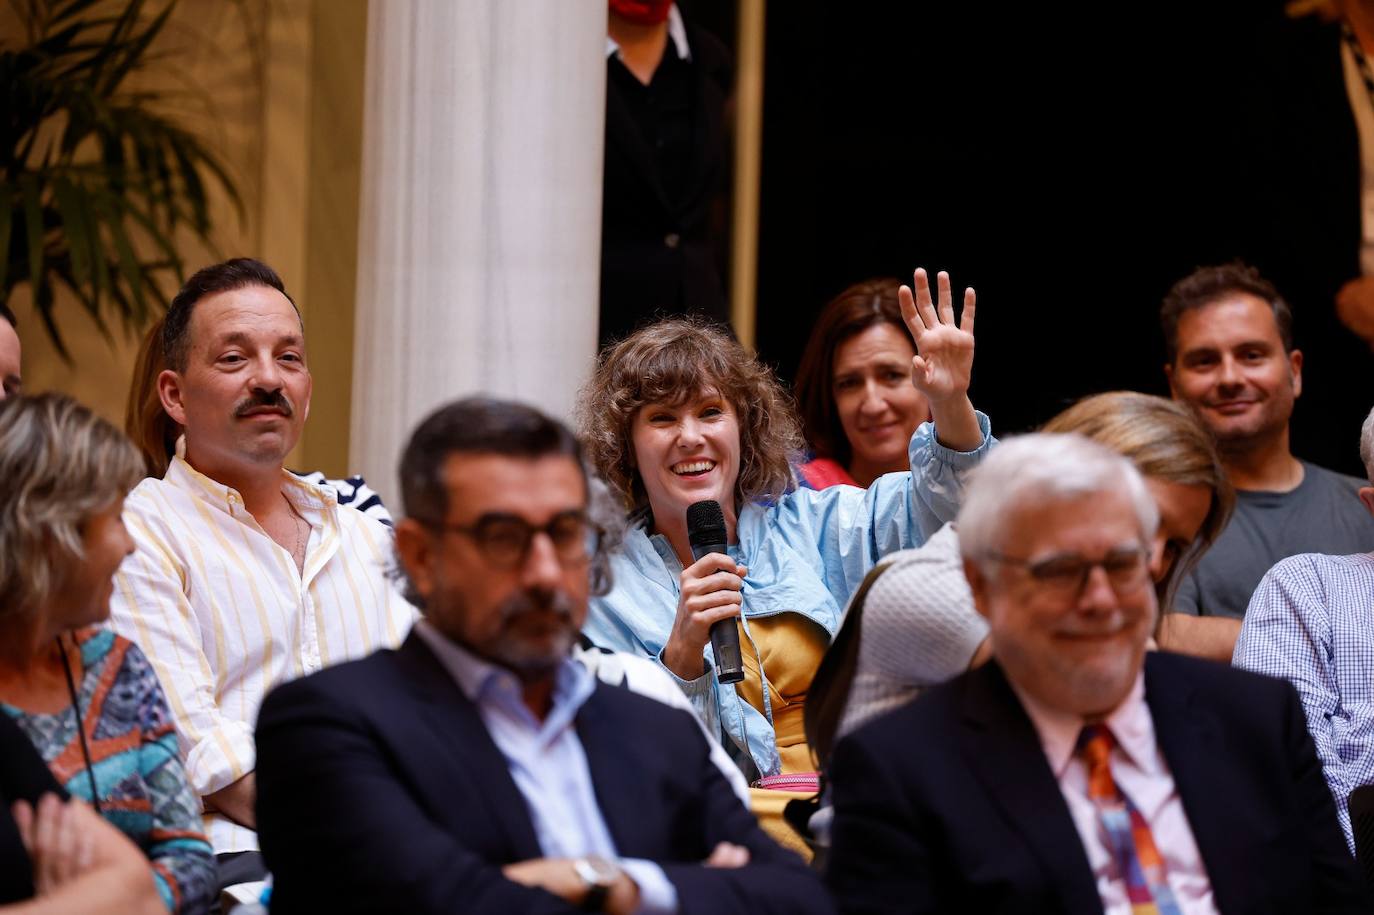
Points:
[(945, 362), (943, 366)]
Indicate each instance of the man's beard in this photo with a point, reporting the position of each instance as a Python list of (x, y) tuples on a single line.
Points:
[(526, 658)]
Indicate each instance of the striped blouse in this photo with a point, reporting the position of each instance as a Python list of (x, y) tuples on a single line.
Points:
[(136, 767), (223, 613)]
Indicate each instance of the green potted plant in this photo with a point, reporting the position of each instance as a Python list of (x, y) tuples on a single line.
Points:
[(98, 177)]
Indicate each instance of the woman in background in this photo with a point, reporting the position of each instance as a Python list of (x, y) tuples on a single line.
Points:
[(87, 699), (858, 406)]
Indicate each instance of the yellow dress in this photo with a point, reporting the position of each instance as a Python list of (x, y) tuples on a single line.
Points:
[(791, 647)]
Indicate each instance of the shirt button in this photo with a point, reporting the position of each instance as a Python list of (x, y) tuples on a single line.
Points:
[(672, 239)]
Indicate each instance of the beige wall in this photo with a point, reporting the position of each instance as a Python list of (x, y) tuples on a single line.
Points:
[(285, 83)]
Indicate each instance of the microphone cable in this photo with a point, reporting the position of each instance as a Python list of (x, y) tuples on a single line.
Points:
[(80, 724)]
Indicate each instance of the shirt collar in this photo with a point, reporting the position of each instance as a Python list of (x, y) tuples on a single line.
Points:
[(304, 495), (482, 680), (1130, 724), (677, 31)]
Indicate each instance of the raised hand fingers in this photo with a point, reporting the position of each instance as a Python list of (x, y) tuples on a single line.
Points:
[(924, 307), (945, 300), (909, 314), (966, 319)]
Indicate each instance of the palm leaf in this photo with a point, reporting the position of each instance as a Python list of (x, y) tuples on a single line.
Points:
[(82, 201)]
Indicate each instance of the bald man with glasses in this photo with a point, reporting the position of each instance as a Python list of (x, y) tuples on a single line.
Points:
[(1077, 771), (479, 768)]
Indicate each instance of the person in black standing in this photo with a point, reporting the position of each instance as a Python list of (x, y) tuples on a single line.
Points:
[(665, 170)]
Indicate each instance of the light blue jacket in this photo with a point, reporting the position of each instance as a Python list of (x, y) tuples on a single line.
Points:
[(806, 554)]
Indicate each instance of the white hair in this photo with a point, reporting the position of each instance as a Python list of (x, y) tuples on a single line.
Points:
[(1367, 446), (1040, 469)]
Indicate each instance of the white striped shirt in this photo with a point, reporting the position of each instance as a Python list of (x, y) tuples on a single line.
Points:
[(223, 613)]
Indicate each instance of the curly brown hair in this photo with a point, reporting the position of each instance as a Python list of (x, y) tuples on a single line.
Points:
[(670, 362)]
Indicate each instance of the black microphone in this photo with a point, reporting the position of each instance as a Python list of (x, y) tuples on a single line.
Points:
[(706, 534)]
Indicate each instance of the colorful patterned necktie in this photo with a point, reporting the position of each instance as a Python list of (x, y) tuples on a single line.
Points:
[(1128, 835)]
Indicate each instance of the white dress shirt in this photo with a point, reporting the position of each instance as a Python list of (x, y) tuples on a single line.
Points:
[(548, 763), (224, 614), (1143, 775)]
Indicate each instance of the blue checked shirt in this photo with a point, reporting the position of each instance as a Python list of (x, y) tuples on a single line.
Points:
[(1311, 621)]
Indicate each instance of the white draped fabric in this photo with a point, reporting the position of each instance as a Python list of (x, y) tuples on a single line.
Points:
[(480, 225)]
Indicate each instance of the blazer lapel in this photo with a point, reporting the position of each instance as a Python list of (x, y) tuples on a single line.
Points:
[(1191, 740), (628, 809), (1003, 750), (456, 726)]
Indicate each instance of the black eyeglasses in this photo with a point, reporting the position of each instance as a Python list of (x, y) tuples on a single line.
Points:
[(1066, 574), (505, 539)]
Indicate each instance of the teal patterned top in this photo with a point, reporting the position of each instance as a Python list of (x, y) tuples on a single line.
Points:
[(137, 768)]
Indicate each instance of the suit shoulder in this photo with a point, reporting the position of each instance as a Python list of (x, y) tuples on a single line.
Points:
[(620, 700), (1214, 679)]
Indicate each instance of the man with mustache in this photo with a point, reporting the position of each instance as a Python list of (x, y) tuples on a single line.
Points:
[(1077, 771), (244, 574), (478, 768), (1229, 340)]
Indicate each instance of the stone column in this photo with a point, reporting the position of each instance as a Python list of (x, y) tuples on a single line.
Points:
[(480, 224)]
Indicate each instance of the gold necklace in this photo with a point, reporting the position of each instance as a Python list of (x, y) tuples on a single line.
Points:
[(298, 554)]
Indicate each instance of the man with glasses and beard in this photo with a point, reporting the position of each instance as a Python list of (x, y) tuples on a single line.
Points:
[(478, 768), (244, 575), (1078, 771)]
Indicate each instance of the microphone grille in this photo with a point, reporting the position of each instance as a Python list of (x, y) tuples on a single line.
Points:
[(705, 516)]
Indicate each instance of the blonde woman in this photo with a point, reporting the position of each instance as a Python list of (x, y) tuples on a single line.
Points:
[(87, 699)]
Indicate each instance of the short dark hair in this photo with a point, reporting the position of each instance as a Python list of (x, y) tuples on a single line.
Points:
[(485, 425), (7, 315), (235, 273), (1208, 285), (849, 314)]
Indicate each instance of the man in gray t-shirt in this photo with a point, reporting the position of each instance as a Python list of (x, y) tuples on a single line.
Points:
[(1229, 341), (1322, 515)]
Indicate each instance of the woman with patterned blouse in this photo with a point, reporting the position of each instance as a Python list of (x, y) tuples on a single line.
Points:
[(88, 699)]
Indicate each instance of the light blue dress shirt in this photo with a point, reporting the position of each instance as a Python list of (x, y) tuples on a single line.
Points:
[(548, 763), (1311, 621), (805, 554)]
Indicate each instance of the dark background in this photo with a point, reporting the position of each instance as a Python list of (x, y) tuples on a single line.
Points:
[(1069, 164)]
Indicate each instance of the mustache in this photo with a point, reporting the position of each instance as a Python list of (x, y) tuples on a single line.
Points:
[(264, 400), (526, 602), (1108, 625)]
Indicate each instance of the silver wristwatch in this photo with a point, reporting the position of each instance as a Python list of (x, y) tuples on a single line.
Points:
[(599, 875)]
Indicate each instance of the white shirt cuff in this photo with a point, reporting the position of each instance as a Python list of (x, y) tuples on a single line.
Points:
[(657, 895)]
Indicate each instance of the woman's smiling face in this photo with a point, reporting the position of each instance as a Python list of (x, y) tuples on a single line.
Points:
[(687, 453)]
